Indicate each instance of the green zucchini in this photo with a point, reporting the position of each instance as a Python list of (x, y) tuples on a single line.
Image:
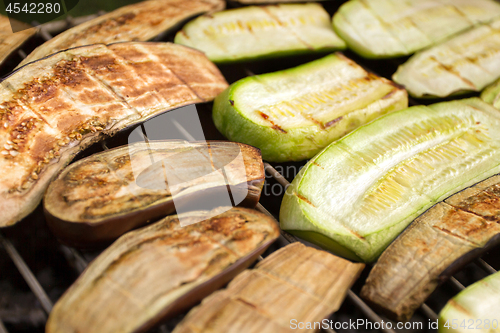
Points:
[(293, 114), (261, 32), (364, 189), (492, 94), (467, 62), (474, 309), (393, 28)]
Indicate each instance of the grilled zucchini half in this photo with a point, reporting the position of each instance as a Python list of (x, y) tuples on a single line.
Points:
[(360, 192), (467, 62), (261, 32), (393, 28), (292, 114), (477, 305)]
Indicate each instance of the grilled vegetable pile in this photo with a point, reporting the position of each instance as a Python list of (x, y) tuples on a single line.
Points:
[(137, 22), (438, 243), (55, 107), (161, 270), (467, 62), (282, 288), (392, 28), (360, 192), (257, 32), (293, 114), (101, 197)]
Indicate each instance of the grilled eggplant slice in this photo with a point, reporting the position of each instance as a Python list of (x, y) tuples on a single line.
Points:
[(492, 94), (360, 192), (393, 28), (282, 288), (293, 114), (99, 198), (160, 270), (55, 107), (261, 32), (137, 22), (435, 246), (475, 307), (467, 62), (9, 42), (257, 2)]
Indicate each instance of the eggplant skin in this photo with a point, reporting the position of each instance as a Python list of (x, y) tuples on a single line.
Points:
[(260, 300), (158, 271), (261, 32), (379, 29), (331, 96), (136, 22), (438, 243), (97, 199), (468, 62), (9, 42), (57, 106), (476, 305)]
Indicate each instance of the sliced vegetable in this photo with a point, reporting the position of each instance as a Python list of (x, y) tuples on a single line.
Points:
[(161, 270), (257, 32), (492, 94), (393, 28), (101, 197), (256, 2), (141, 21), (360, 192), (9, 42), (293, 114), (467, 62), (476, 306), (296, 284), (55, 107), (438, 244)]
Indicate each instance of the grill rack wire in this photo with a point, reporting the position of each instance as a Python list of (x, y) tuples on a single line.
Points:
[(78, 260)]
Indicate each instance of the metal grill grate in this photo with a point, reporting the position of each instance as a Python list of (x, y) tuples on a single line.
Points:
[(353, 307)]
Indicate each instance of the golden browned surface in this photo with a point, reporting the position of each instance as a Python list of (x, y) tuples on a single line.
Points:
[(53, 108), (135, 177), (9, 42), (137, 22), (295, 282), (146, 271), (408, 271)]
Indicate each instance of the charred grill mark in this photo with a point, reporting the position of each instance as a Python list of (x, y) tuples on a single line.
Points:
[(318, 165), (451, 70), (274, 125), (389, 95), (231, 102), (303, 198), (333, 122)]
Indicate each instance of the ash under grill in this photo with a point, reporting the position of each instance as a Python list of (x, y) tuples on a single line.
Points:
[(35, 269)]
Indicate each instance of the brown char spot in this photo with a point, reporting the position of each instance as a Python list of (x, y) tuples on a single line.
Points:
[(389, 95), (274, 125), (459, 307), (318, 165), (232, 104), (303, 198), (333, 122)]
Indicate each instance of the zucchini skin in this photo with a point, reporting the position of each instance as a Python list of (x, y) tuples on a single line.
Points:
[(298, 143), (296, 208), (491, 94), (187, 36)]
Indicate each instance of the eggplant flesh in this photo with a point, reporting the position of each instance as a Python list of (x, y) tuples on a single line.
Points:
[(137, 22), (291, 115), (393, 28), (158, 271), (261, 32), (55, 107), (437, 244), (363, 190), (99, 198), (9, 42), (474, 309), (294, 283), (467, 62)]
